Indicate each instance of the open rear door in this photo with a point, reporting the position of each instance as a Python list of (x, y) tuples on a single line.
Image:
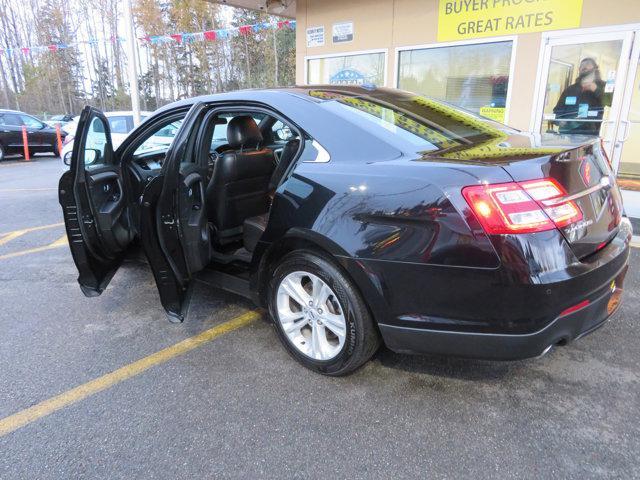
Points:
[(94, 204), (173, 225)]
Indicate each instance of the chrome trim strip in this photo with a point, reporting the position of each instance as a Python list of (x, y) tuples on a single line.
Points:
[(557, 201)]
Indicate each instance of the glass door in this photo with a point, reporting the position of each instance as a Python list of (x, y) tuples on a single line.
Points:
[(584, 79), (627, 148)]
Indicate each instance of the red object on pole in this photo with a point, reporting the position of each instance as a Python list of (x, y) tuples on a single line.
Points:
[(59, 138), (25, 143)]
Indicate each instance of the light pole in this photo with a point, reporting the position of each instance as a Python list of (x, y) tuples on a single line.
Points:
[(133, 67)]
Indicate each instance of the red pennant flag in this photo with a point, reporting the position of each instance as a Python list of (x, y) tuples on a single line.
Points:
[(177, 37), (281, 25), (210, 35), (25, 50), (53, 48), (245, 29)]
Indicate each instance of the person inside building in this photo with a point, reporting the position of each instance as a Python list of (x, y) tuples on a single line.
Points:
[(581, 106)]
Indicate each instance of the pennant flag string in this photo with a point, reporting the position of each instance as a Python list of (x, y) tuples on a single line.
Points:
[(219, 34), (179, 38), (26, 50)]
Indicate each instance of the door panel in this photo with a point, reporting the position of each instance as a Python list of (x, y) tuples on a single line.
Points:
[(174, 228), (11, 128), (94, 204)]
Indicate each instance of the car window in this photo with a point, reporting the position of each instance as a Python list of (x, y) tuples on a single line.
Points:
[(160, 139), (95, 144), (220, 130), (281, 132), (31, 122), (118, 124), (10, 119)]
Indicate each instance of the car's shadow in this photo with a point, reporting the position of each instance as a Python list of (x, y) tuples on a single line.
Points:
[(449, 367)]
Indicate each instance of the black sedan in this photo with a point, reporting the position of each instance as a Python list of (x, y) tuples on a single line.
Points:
[(357, 217), (41, 138)]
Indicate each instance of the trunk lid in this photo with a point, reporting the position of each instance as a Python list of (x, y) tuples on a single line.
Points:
[(577, 163), (584, 172)]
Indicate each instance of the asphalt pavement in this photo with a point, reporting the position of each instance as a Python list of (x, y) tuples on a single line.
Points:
[(237, 406)]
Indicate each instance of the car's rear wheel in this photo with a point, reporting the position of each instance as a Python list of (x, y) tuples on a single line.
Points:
[(320, 316)]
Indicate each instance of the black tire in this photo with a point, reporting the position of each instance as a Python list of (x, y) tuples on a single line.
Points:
[(3, 153), (362, 339), (56, 151)]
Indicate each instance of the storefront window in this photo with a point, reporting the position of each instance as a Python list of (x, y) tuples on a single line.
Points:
[(367, 68), (475, 77)]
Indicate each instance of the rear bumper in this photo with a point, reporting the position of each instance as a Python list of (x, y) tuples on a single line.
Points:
[(495, 346)]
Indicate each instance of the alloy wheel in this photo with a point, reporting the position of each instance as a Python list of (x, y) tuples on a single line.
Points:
[(311, 316)]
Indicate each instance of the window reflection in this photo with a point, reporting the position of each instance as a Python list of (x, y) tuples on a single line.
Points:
[(475, 77), (360, 69)]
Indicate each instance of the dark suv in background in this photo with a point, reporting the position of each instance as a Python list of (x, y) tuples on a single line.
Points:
[(41, 138)]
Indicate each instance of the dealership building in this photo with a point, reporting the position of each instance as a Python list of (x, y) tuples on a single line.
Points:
[(521, 62)]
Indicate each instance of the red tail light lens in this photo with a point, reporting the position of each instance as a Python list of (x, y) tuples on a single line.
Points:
[(525, 207)]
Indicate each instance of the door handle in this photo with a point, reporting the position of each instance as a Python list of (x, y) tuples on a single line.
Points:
[(604, 129), (627, 127)]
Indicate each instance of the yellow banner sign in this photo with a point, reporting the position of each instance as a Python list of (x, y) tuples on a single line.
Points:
[(463, 19)]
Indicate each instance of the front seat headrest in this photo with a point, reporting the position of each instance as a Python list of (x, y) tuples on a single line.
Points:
[(243, 132)]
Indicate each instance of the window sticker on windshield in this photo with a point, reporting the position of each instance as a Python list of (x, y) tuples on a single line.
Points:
[(570, 100)]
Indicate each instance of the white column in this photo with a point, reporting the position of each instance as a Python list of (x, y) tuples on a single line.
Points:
[(131, 62)]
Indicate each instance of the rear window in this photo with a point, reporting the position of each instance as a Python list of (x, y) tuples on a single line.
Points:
[(412, 122), (119, 124)]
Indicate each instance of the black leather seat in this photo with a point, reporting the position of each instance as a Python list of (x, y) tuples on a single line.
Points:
[(239, 187)]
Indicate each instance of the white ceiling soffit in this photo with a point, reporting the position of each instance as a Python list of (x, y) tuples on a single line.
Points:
[(283, 8)]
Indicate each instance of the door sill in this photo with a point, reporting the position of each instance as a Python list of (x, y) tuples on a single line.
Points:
[(237, 282)]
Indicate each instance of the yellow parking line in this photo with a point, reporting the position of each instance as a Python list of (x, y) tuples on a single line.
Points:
[(61, 242), (47, 407), (27, 189), (11, 236), (33, 229)]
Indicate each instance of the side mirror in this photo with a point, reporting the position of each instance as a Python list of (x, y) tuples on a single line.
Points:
[(91, 155)]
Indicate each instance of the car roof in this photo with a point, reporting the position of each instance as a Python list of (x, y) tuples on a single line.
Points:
[(260, 94), (6, 110), (123, 112)]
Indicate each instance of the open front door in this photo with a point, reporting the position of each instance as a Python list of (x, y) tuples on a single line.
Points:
[(173, 226), (94, 204)]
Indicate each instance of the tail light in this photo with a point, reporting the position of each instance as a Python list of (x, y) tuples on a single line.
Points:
[(524, 207)]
